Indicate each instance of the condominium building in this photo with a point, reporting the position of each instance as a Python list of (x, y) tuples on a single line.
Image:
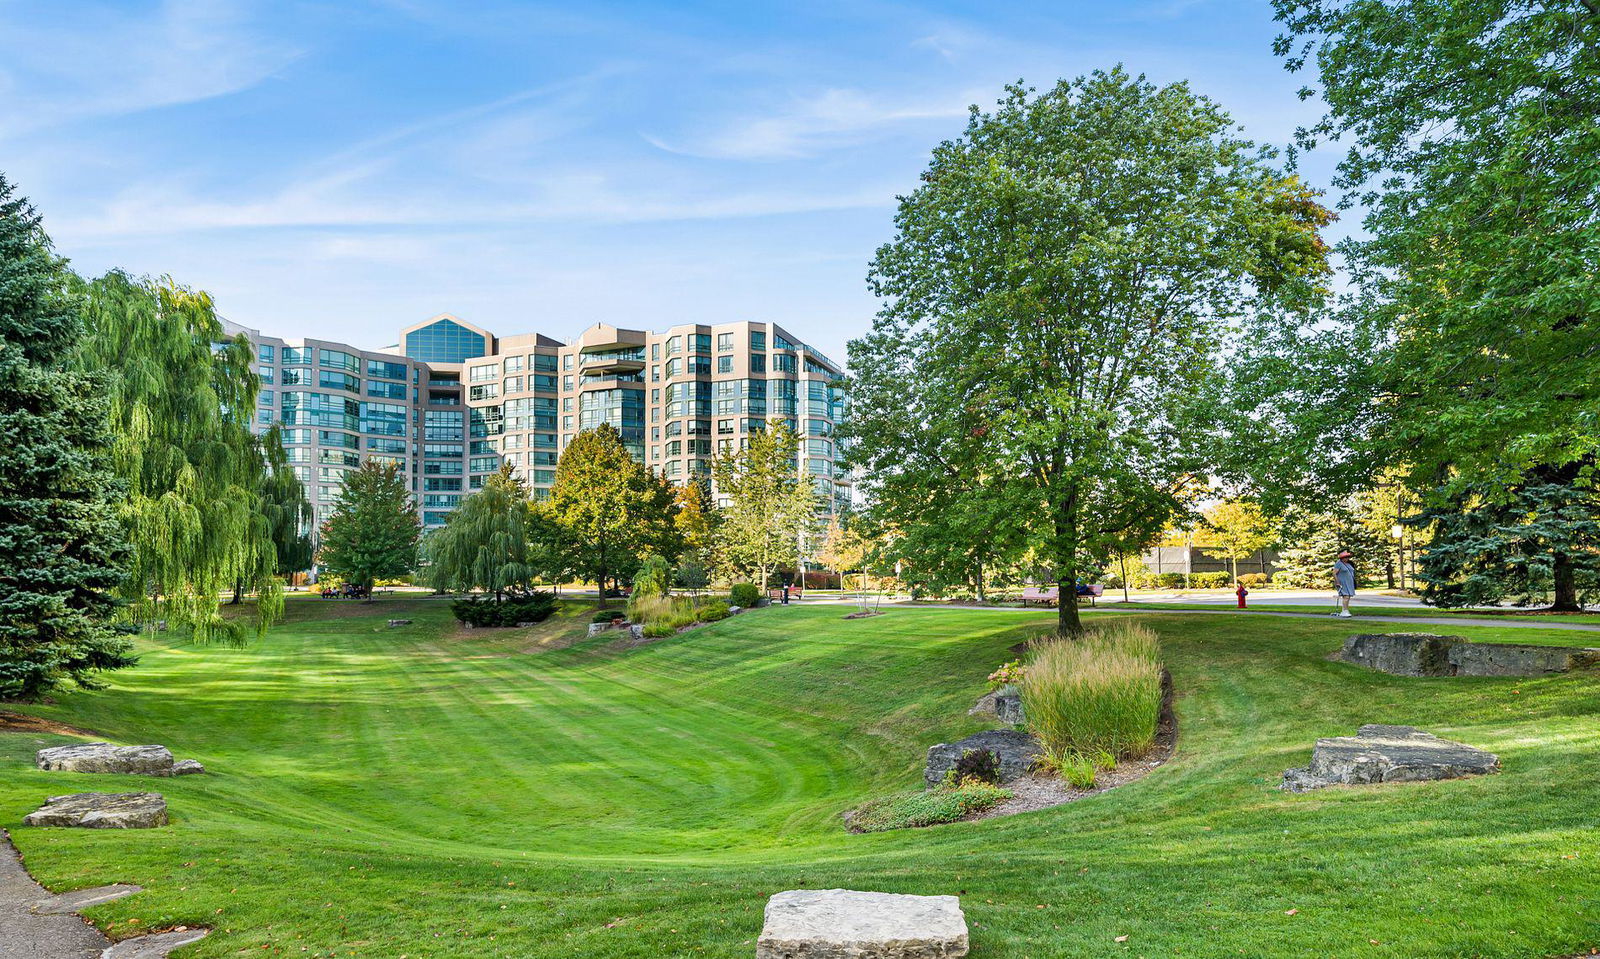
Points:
[(451, 402)]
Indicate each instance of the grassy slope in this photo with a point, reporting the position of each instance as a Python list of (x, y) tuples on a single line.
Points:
[(1428, 612), (423, 792)]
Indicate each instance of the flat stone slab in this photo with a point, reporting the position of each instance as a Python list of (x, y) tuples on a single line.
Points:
[(101, 811), (1428, 654), (106, 758), (845, 924), (1017, 752), (1388, 754), (187, 767), (69, 902), (157, 945)]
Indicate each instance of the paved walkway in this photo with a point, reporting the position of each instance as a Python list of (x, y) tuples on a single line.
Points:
[(1512, 622), (37, 925)]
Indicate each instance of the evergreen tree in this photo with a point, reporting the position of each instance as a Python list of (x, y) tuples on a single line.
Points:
[(182, 397), (490, 542), (1519, 543), (770, 506), (611, 510), (374, 529), (65, 552)]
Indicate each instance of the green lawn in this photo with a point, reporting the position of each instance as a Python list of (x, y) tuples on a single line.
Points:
[(424, 791)]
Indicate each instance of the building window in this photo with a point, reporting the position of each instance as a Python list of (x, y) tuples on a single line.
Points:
[(700, 343), (724, 342), (335, 360), (513, 364), (483, 374), (266, 398), (334, 380), (758, 363), (389, 371), (264, 353), (724, 364), (296, 354), (265, 373), (444, 341)]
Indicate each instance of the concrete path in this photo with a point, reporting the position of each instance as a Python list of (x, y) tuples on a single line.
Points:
[(1512, 622), (37, 925)]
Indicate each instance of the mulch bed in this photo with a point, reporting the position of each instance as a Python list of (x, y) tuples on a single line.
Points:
[(1042, 792), (23, 723)]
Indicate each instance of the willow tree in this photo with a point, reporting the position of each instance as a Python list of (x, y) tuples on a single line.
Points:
[(493, 541), (181, 398), (1055, 304), (63, 547)]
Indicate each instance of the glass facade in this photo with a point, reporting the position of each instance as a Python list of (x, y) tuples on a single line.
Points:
[(444, 341)]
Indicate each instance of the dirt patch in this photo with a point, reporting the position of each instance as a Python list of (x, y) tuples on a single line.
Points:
[(23, 723), (865, 614), (1035, 792)]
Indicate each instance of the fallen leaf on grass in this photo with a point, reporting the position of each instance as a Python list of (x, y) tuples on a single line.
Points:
[(1120, 939), (1292, 912)]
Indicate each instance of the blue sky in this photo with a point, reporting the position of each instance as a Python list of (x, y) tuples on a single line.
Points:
[(342, 169)]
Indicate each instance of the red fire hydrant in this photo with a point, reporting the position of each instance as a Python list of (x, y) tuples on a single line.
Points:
[(1241, 592)]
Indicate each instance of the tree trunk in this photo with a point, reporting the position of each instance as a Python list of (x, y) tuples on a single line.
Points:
[(1566, 585), (1067, 622), (1235, 561), (238, 593)]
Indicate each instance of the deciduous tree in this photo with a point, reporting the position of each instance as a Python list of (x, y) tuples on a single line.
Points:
[(610, 508), (770, 507), (1055, 301), (1238, 530)]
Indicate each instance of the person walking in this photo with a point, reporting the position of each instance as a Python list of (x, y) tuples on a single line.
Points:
[(1344, 583)]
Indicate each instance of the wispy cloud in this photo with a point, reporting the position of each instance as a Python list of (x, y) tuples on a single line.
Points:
[(828, 120), (98, 61)]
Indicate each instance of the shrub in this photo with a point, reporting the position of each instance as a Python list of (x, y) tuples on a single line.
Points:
[(607, 615), (691, 574), (1169, 581), (1209, 580), (1101, 692), (659, 630), (534, 607), (712, 611), (1253, 580), (977, 765), (1008, 675), (945, 804), (653, 577), (817, 579), (744, 594), (1111, 581)]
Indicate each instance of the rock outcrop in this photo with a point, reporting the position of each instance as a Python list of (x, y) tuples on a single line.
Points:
[(1427, 654), (1388, 754), (845, 924), (106, 758), (1016, 752), (101, 811)]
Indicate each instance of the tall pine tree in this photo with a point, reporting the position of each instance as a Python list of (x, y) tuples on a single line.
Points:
[(65, 553), (374, 529)]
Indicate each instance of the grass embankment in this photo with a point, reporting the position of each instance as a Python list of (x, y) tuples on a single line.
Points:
[(429, 791), (1531, 616)]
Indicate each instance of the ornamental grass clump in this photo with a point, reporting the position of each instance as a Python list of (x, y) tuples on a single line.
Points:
[(1098, 694)]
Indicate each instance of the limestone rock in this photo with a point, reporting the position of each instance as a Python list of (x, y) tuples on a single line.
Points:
[(1427, 654), (101, 811), (106, 758), (1017, 751), (187, 767), (845, 924), (399, 622), (1387, 754), (1005, 704)]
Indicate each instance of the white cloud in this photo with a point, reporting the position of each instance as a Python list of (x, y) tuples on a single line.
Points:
[(828, 120), (101, 61)]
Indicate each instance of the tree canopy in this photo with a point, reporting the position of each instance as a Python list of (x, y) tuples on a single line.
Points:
[(769, 505), (493, 541), (1055, 301), (610, 509)]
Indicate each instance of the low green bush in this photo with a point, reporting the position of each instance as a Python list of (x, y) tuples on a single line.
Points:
[(712, 611), (1098, 693), (534, 607), (1253, 580), (1168, 581), (1209, 580), (745, 595), (945, 804), (659, 630), (607, 615)]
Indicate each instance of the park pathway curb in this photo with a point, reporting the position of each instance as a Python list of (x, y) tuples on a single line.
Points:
[(34, 924)]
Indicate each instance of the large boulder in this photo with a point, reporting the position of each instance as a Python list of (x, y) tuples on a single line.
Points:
[(1016, 751), (101, 811), (845, 924), (1428, 654), (1388, 754), (106, 758)]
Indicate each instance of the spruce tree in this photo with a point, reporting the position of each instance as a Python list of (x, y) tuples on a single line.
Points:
[(374, 529), (65, 553)]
